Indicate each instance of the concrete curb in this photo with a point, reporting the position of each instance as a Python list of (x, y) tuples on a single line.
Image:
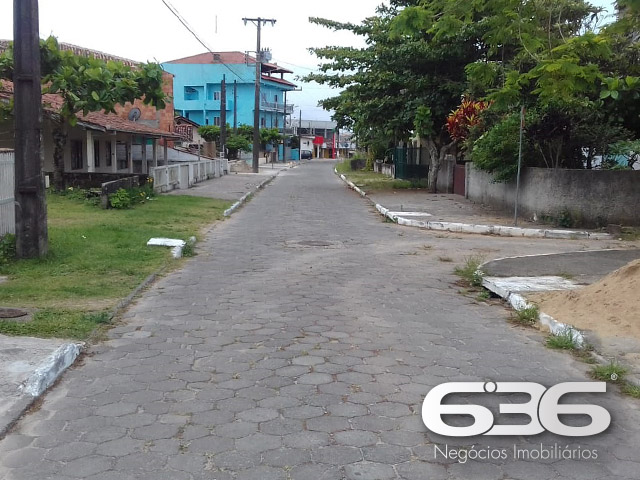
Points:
[(518, 302), (42, 378), (247, 196), (499, 230)]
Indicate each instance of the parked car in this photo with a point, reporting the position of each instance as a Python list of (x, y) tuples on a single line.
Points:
[(305, 154)]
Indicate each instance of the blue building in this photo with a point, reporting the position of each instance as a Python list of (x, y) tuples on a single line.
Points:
[(197, 89)]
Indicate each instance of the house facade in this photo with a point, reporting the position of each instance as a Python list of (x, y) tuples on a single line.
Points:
[(197, 92), (102, 143), (99, 143)]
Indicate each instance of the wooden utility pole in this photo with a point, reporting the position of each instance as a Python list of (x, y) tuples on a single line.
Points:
[(31, 209), (256, 112), (300, 137), (235, 107), (223, 115)]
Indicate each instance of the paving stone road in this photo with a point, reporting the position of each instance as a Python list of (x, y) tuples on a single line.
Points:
[(299, 344)]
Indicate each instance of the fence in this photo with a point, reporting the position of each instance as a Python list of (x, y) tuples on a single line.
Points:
[(185, 175), (589, 198), (7, 207), (411, 162)]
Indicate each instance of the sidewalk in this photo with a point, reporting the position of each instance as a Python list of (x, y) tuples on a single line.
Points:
[(28, 366), (454, 213), (234, 185)]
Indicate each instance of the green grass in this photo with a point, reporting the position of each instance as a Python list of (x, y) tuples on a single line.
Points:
[(630, 234), (58, 323), (96, 257), (527, 316), (612, 372), (368, 180), (483, 296), (631, 390), (565, 275), (469, 271), (565, 340)]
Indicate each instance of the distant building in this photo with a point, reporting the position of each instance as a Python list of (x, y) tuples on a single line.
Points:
[(197, 89), (323, 138)]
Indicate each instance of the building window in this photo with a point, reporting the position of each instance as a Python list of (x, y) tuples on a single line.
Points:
[(263, 122), (108, 153), (122, 155), (76, 155), (216, 95), (190, 93), (277, 122), (275, 97), (216, 121), (96, 153)]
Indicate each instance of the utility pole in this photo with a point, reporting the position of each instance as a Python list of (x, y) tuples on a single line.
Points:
[(235, 107), (300, 137), (223, 115), (31, 210), (284, 129), (256, 112)]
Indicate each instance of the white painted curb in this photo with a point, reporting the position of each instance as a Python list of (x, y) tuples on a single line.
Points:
[(246, 196), (499, 230), (518, 302), (47, 373)]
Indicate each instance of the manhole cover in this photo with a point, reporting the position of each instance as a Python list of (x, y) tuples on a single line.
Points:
[(12, 312), (314, 243)]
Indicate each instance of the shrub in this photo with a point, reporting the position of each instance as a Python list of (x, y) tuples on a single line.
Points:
[(120, 199), (211, 133), (7, 248), (497, 150), (236, 143), (466, 116), (470, 271)]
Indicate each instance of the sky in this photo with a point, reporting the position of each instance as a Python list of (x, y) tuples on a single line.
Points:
[(146, 30)]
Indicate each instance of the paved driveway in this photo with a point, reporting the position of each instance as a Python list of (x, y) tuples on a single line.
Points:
[(299, 344)]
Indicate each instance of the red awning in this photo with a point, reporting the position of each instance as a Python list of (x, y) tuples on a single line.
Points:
[(318, 140)]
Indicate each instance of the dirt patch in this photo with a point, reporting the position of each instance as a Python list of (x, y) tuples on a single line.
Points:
[(609, 307)]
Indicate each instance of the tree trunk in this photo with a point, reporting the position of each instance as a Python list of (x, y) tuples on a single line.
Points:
[(436, 155), (60, 136)]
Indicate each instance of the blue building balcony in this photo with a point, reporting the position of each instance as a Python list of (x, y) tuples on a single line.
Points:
[(275, 107)]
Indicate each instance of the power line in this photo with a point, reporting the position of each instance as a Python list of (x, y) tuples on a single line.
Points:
[(295, 65), (186, 25)]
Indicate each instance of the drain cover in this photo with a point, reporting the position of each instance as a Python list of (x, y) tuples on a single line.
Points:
[(314, 243), (12, 312)]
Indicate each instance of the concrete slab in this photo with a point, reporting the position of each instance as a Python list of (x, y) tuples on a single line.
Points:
[(583, 267), (29, 366), (533, 284)]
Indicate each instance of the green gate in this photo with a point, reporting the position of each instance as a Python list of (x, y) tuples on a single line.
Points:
[(410, 163)]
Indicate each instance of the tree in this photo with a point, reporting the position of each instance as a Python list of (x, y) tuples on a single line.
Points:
[(87, 84), (404, 82), (269, 136), (579, 86), (236, 143), (210, 133), (246, 131)]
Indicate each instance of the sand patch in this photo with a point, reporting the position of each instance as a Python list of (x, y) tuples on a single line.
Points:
[(610, 307)]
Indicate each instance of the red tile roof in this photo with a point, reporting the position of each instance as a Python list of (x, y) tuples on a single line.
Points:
[(102, 121), (278, 80), (230, 58)]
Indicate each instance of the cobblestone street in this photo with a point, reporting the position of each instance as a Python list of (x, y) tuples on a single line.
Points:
[(299, 344)]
